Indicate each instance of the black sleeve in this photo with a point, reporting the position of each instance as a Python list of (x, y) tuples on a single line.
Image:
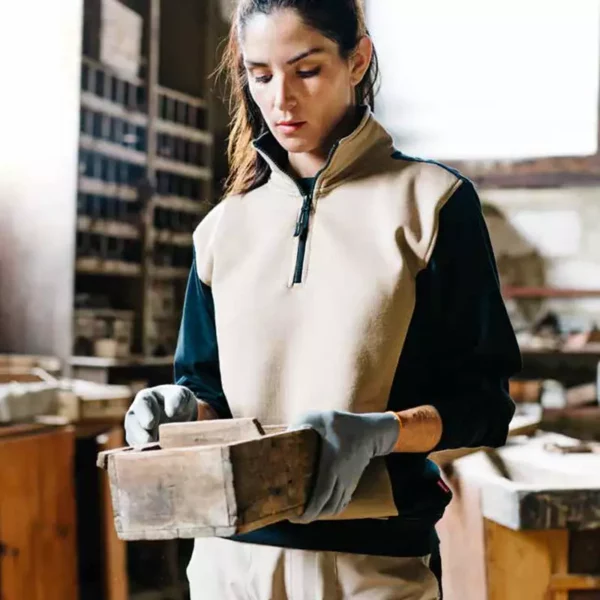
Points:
[(461, 348), (197, 354)]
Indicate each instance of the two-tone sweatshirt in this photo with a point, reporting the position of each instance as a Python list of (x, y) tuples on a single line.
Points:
[(373, 289)]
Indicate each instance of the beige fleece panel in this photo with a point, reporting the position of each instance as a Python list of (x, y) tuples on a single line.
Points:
[(225, 570), (334, 341), (204, 237)]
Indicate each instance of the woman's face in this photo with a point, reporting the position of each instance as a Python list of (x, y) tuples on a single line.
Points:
[(299, 81)]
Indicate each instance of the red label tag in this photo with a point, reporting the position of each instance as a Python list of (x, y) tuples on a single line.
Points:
[(441, 483)]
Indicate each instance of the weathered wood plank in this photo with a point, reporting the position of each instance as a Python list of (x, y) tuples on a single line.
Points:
[(115, 550), (204, 433), (165, 494), (560, 509), (273, 476)]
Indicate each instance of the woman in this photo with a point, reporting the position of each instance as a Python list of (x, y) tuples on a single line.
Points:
[(345, 286)]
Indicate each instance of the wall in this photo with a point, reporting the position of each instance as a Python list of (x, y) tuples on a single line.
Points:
[(548, 237), (40, 47)]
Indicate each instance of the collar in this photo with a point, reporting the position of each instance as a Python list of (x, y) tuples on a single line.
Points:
[(347, 159)]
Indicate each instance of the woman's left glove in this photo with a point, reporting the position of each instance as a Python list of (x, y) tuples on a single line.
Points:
[(349, 442)]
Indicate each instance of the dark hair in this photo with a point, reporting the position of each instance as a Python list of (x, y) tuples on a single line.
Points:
[(342, 21)]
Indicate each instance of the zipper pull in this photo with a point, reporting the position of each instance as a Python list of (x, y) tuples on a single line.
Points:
[(302, 223)]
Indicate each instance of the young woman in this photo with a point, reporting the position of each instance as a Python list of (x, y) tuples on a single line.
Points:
[(342, 285)]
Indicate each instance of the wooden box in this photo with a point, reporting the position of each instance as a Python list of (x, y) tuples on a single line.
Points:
[(82, 400), (26, 362), (210, 478), (34, 394)]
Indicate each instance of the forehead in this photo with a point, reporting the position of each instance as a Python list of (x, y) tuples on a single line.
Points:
[(279, 36)]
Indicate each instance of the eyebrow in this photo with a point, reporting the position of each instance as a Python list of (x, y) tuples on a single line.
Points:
[(295, 59)]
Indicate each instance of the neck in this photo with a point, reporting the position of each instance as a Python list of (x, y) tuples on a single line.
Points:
[(308, 164)]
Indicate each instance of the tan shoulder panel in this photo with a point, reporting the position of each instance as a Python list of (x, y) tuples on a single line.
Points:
[(204, 238), (425, 188)]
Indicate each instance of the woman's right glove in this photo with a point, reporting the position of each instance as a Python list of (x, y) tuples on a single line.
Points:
[(348, 444), (153, 407)]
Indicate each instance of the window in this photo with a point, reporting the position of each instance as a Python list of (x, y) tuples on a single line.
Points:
[(505, 79)]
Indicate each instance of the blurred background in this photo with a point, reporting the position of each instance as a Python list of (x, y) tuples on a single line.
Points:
[(112, 149)]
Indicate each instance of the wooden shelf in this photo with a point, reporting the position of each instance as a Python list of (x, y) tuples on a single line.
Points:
[(133, 360), (591, 350), (97, 187), (111, 149), (97, 266), (98, 104), (169, 272), (181, 97), (175, 238), (182, 204), (94, 64), (183, 131), (109, 313), (108, 228), (541, 292), (179, 168)]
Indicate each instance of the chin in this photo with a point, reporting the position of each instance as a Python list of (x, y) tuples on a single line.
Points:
[(297, 145)]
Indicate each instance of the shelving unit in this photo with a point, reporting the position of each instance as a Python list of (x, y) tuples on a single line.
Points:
[(548, 292), (145, 180), (98, 213)]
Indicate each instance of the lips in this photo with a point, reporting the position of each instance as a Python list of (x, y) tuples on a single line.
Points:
[(289, 127)]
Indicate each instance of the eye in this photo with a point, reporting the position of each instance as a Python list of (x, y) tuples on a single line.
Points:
[(262, 78), (309, 73)]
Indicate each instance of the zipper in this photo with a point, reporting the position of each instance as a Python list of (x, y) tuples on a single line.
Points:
[(303, 222), (301, 233)]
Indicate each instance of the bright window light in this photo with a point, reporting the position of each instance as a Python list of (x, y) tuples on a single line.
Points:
[(489, 79)]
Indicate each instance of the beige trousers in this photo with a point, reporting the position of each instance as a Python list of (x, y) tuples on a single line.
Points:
[(225, 570)]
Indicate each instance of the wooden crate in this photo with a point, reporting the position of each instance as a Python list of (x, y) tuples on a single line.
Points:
[(211, 478), (25, 395), (69, 399), (25, 362), (88, 401)]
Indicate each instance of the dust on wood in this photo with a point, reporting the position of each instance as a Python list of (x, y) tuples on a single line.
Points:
[(204, 433)]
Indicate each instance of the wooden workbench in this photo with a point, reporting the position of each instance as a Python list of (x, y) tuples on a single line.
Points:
[(38, 542), (534, 537)]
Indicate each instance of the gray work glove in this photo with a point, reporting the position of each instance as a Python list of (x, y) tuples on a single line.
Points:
[(153, 406), (349, 442)]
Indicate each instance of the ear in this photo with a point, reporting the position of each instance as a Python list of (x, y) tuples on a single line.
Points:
[(361, 59)]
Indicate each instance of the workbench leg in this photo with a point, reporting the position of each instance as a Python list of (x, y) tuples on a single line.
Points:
[(115, 559), (463, 563), (520, 564)]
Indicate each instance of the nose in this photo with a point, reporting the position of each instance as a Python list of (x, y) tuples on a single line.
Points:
[(284, 99)]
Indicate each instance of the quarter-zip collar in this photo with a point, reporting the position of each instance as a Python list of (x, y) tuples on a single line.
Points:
[(345, 160)]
